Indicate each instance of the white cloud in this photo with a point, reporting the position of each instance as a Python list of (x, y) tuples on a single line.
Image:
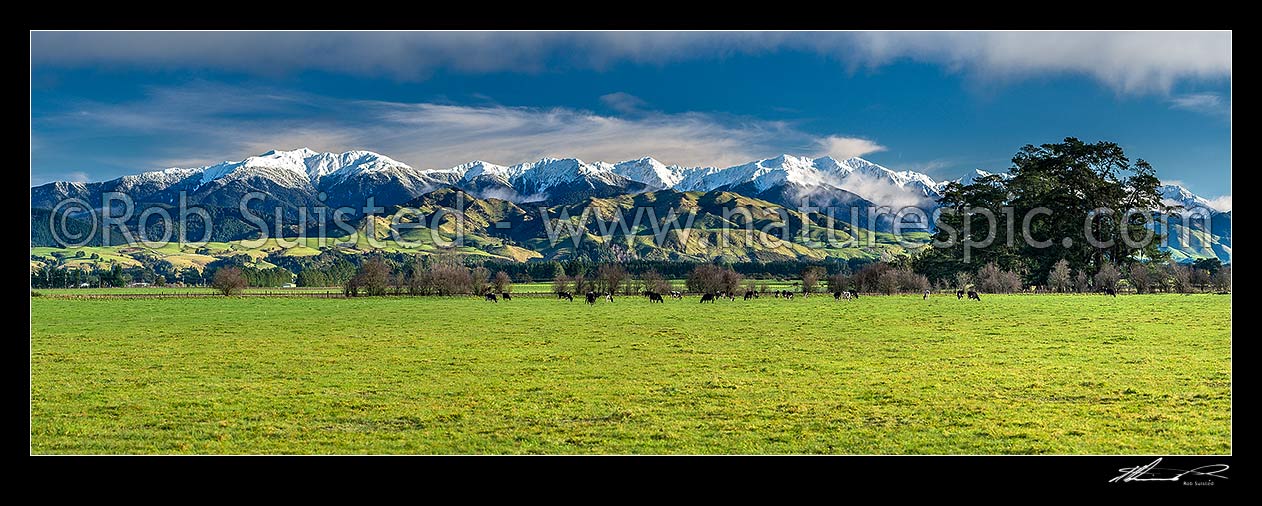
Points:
[(1222, 203), (1205, 103), (203, 124), (1125, 61), (928, 167), (623, 102), (846, 147)]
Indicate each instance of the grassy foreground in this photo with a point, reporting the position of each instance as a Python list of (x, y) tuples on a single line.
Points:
[(880, 375)]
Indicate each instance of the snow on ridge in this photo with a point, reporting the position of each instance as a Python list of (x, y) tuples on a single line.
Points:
[(309, 169), (1174, 194)]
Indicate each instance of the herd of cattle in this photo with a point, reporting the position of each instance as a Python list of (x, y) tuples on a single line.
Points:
[(714, 296)]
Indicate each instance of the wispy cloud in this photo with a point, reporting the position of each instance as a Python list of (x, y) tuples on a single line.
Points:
[(1128, 62), (202, 124), (928, 167), (1205, 103), (841, 147), (1222, 203), (623, 102)]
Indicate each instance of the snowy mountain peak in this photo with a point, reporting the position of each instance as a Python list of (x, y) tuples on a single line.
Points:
[(651, 172), (1177, 195), (477, 168)]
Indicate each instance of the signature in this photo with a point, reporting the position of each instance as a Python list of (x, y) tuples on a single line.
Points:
[(1151, 472)]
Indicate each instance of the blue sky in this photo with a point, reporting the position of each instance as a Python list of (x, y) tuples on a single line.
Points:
[(105, 104)]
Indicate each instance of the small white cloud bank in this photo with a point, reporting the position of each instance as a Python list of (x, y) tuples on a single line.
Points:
[(842, 148), (623, 102), (1222, 203), (1204, 103)]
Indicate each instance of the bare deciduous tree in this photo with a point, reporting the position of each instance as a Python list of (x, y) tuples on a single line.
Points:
[(655, 282), (229, 281), (1082, 282), (1107, 277), (705, 278), (609, 277), (810, 278), (887, 282), (479, 280), (731, 281), (502, 282), (1181, 278), (1060, 278), (1140, 277), (838, 282), (1222, 279), (373, 276), (560, 283)]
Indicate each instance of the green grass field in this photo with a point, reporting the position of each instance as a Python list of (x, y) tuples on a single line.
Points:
[(881, 375)]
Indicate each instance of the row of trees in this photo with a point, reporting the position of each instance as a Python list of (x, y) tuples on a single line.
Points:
[(376, 276), (878, 277), (1203, 275)]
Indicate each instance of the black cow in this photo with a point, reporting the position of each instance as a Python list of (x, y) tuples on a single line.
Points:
[(609, 296), (709, 297), (654, 296), (565, 295), (854, 294), (591, 297), (506, 296), (749, 294), (959, 294), (972, 295), (491, 297), (1110, 291), (837, 295), (788, 295)]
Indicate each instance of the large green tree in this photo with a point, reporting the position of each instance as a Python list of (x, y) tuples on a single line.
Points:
[(1061, 187)]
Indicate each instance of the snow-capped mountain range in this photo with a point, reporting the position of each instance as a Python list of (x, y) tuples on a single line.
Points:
[(302, 178), (349, 178), (1173, 194)]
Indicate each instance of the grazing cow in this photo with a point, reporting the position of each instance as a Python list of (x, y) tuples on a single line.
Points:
[(730, 296), (506, 296), (959, 294), (565, 295), (972, 295), (709, 297), (837, 295), (926, 295), (1110, 291), (491, 297), (654, 296), (788, 295), (749, 294), (609, 296), (676, 294), (591, 297)]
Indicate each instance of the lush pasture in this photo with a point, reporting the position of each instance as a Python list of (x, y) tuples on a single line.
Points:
[(880, 375)]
